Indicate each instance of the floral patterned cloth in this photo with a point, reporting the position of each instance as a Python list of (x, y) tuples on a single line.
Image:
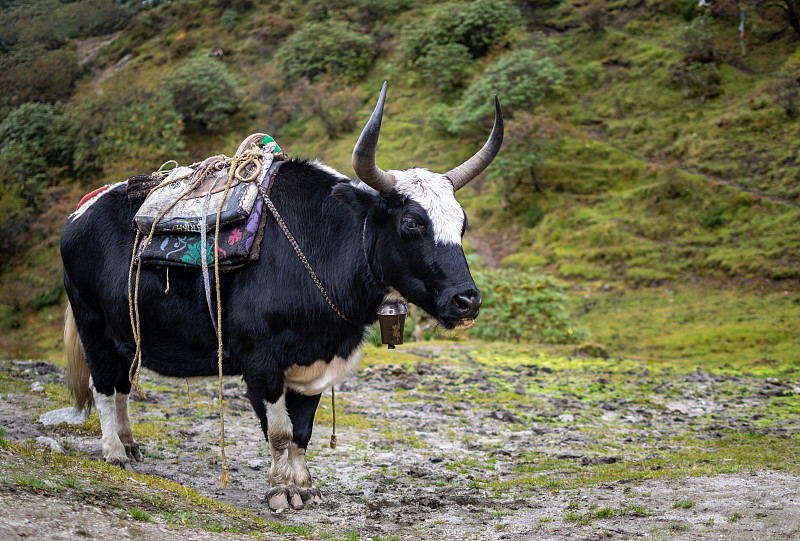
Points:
[(238, 244)]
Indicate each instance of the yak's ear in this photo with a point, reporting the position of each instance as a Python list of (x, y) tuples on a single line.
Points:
[(356, 199)]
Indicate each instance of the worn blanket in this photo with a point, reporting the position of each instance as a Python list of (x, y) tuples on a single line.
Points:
[(238, 243)]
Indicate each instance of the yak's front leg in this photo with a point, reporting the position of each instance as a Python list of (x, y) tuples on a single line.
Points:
[(287, 424)]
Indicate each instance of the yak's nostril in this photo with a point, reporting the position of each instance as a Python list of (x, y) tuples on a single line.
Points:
[(469, 303)]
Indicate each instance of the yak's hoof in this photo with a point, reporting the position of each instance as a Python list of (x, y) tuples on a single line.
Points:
[(132, 450), (122, 461), (283, 497)]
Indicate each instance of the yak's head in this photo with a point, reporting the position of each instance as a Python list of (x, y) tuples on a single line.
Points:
[(413, 225)]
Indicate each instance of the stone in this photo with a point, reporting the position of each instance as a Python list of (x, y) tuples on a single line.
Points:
[(255, 464), (64, 415), (49, 444), (37, 387)]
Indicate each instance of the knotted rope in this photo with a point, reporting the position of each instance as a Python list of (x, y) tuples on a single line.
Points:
[(237, 167)]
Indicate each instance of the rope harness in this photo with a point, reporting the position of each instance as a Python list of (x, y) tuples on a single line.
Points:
[(245, 168)]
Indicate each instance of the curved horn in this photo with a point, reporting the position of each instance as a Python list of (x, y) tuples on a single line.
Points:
[(364, 151), (471, 168)]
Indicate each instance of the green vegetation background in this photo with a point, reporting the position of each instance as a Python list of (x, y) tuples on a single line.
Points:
[(646, 199)]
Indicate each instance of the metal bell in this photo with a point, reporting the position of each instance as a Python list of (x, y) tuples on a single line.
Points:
[(392, 317)]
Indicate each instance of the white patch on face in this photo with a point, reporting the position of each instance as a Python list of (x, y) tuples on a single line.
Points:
[(434, 193), (312, 380), (78, 213)]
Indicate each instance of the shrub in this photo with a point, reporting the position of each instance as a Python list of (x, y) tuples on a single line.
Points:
[(143, 134), (521, 78), (523, 306), (697, 79), (697, 39), (594, 15), (364, 11), (36, 146), (89, 118), (44, 76), (203, 92), (35, 149), (445, 66), (686, 8), (228, 19), (332, 47), (529, 139), (334, 105), (478, 26), (787, 83), (712, 219)]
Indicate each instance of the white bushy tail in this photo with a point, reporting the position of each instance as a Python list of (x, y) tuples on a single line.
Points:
[(77, 369)]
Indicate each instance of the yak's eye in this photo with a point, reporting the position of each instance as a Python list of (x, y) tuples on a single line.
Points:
[(411, 225)]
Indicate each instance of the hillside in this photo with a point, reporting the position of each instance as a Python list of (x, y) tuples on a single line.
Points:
[(646, 145)]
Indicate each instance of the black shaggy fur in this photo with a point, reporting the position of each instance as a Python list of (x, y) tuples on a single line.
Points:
[(360, 243)]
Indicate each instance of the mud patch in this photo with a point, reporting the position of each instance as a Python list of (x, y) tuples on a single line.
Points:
[(460, 442)]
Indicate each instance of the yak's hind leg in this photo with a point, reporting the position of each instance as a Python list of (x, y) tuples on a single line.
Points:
[(124, 430), (287, 424), (113, 448)]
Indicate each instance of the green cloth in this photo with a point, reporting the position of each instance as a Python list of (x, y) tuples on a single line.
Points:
[(267, 140)]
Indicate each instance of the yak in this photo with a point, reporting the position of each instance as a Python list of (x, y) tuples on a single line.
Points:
[(384, 235)]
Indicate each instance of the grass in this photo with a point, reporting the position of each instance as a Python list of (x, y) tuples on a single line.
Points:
[(59, 476), (693, 323), (138, 514)]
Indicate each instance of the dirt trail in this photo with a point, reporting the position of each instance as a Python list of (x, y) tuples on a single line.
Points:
[(426, 453)]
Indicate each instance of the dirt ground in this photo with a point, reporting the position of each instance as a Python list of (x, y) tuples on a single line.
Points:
[(417, 458)]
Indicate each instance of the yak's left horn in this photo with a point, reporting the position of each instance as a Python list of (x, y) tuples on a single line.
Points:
[(364, 151), (471, 168)]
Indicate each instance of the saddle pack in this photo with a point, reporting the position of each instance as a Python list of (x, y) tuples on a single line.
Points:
[(178, 218)]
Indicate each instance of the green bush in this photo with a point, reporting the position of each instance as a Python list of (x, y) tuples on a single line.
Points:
[(35, 146), (523, 306), (445, 67), (364, 11), (521, 78), (698, 38), (787, 84), (141, 136), (203, 93), (34, 74), (228, 20), (529, 140), (49, 296), (332, 47), (594, 15), (697, 79), (712, 219), (478, 26), (686, 8), (334, 105)]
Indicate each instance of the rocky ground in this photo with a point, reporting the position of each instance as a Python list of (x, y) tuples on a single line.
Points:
[(452, 441)]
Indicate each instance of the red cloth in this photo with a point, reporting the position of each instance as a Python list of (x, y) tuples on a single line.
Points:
[(91, 194)]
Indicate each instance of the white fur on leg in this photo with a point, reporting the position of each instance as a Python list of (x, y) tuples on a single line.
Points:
[(113, 449), (288, 461), (288, 476)]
